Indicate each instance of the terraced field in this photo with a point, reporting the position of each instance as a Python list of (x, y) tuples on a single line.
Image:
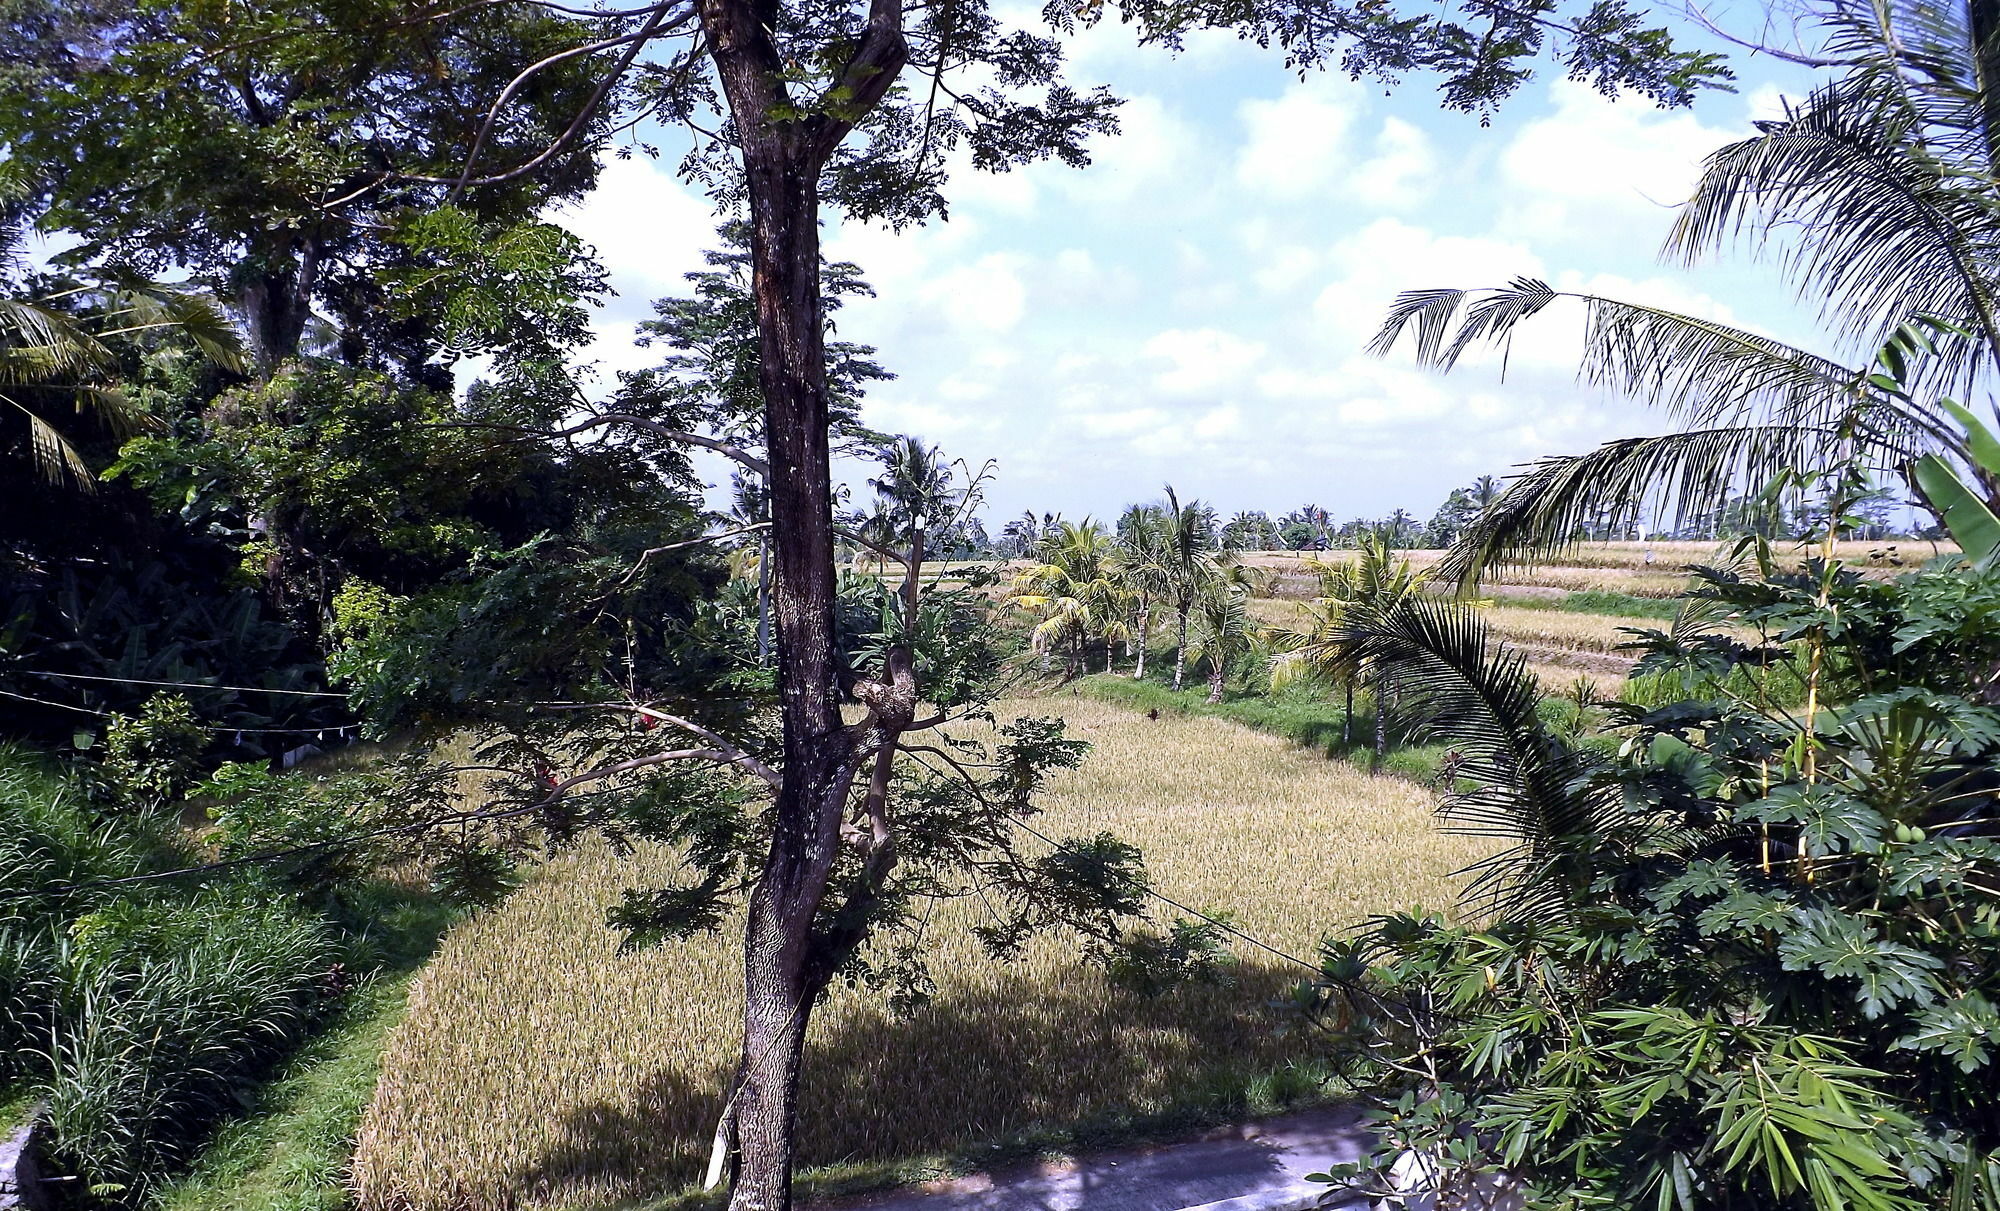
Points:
[(540, 1067)]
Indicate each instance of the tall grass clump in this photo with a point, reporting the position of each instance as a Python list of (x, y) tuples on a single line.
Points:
[(136, 1013)]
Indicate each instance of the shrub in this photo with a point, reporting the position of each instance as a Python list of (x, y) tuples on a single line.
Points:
[(1750, 960)]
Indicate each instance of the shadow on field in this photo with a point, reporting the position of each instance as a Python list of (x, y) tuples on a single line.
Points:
[(983, 1074)]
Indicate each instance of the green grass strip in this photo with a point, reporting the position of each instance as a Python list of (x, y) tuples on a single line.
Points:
[(292, 1152)]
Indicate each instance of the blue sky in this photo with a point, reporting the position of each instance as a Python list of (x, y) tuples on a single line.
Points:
[(1192, 307)]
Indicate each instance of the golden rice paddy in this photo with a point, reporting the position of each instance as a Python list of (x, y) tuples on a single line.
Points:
[(538, 1067)]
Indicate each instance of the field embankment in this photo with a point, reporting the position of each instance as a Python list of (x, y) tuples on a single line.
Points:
[(538, 1066)]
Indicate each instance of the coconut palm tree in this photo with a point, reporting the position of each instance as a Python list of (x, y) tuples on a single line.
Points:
[(1139, 565), (1223, 631), (53, 351), (1192, 565), (1374, 582), (1075, 592), (1879, 193)]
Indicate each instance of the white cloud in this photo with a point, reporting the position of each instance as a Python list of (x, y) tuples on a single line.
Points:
[(1600, 168), (1293, 145), (985, 296), (1202, 359), (1123, 423), (648, 227), (1401, 172)]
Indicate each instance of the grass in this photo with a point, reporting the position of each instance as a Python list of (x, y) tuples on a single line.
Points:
[(291, 1150), (539, 1067), (1301, 716)]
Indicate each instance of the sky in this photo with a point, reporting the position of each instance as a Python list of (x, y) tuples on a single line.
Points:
[(1192, 307)]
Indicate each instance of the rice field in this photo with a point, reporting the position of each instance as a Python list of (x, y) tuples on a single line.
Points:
[(1641, 569), (538, 1067)]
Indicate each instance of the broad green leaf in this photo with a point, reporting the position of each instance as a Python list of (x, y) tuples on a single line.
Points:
[(1979, 439), (1971, 523)]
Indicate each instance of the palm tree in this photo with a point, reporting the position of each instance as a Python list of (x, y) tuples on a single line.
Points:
[(1374, 583), (1074, 591), (1139, 565), (54, 349), (1224, 633), (1191, 564), (1484, 491), (1879, 190)]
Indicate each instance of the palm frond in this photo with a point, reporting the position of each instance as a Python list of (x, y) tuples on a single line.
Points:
[(1867, 191), (1681, 475), (1463, 689), (55, 459)]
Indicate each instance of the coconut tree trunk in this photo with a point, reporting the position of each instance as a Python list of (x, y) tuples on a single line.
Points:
[(1215, 681), (1347, 720), (1381, 720), (1180, 647), (1145, 625)]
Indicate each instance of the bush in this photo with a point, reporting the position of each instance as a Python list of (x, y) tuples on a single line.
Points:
[(140, 1012), (166, 1010), (1749, 960)]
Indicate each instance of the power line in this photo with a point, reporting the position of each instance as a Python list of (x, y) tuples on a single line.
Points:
[(185, 685), (338, 728)]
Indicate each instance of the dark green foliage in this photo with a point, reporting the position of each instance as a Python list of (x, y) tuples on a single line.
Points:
[(293, 155), (1752, 958), (137, 1013)]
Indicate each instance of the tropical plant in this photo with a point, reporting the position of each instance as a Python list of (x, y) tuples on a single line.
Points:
[(1190, 564), (58, 350), (1074, 591), (1224, 633), (1372, 583), (1749, 959), (1139, 565), (1878, 191)]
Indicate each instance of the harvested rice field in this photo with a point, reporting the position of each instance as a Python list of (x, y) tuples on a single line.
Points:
[(538, 1067)]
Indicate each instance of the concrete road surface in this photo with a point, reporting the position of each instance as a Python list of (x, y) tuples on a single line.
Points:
[(1261, 1167)]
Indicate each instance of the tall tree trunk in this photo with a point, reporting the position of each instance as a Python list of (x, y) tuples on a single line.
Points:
[(1381, 721), (1180, 648), (1214, 681), (764, 598), (1145, 625), (275, 290), (1347, 720), (820, 755)]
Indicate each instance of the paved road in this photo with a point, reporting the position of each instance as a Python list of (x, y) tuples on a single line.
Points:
[(1263, 1173)]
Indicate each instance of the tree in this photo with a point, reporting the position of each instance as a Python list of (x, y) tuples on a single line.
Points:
[(300, 154), (1722, 965), (1075, 591), (815, 115), (1189, 563), (59, 348), (1224, 633), (1451, 518), (1878, 191), (1140, 565), (1374, 582)]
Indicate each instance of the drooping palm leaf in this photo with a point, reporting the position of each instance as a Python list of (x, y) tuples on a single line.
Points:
[(1684, 473), (1465, 690), (1871, 210)]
